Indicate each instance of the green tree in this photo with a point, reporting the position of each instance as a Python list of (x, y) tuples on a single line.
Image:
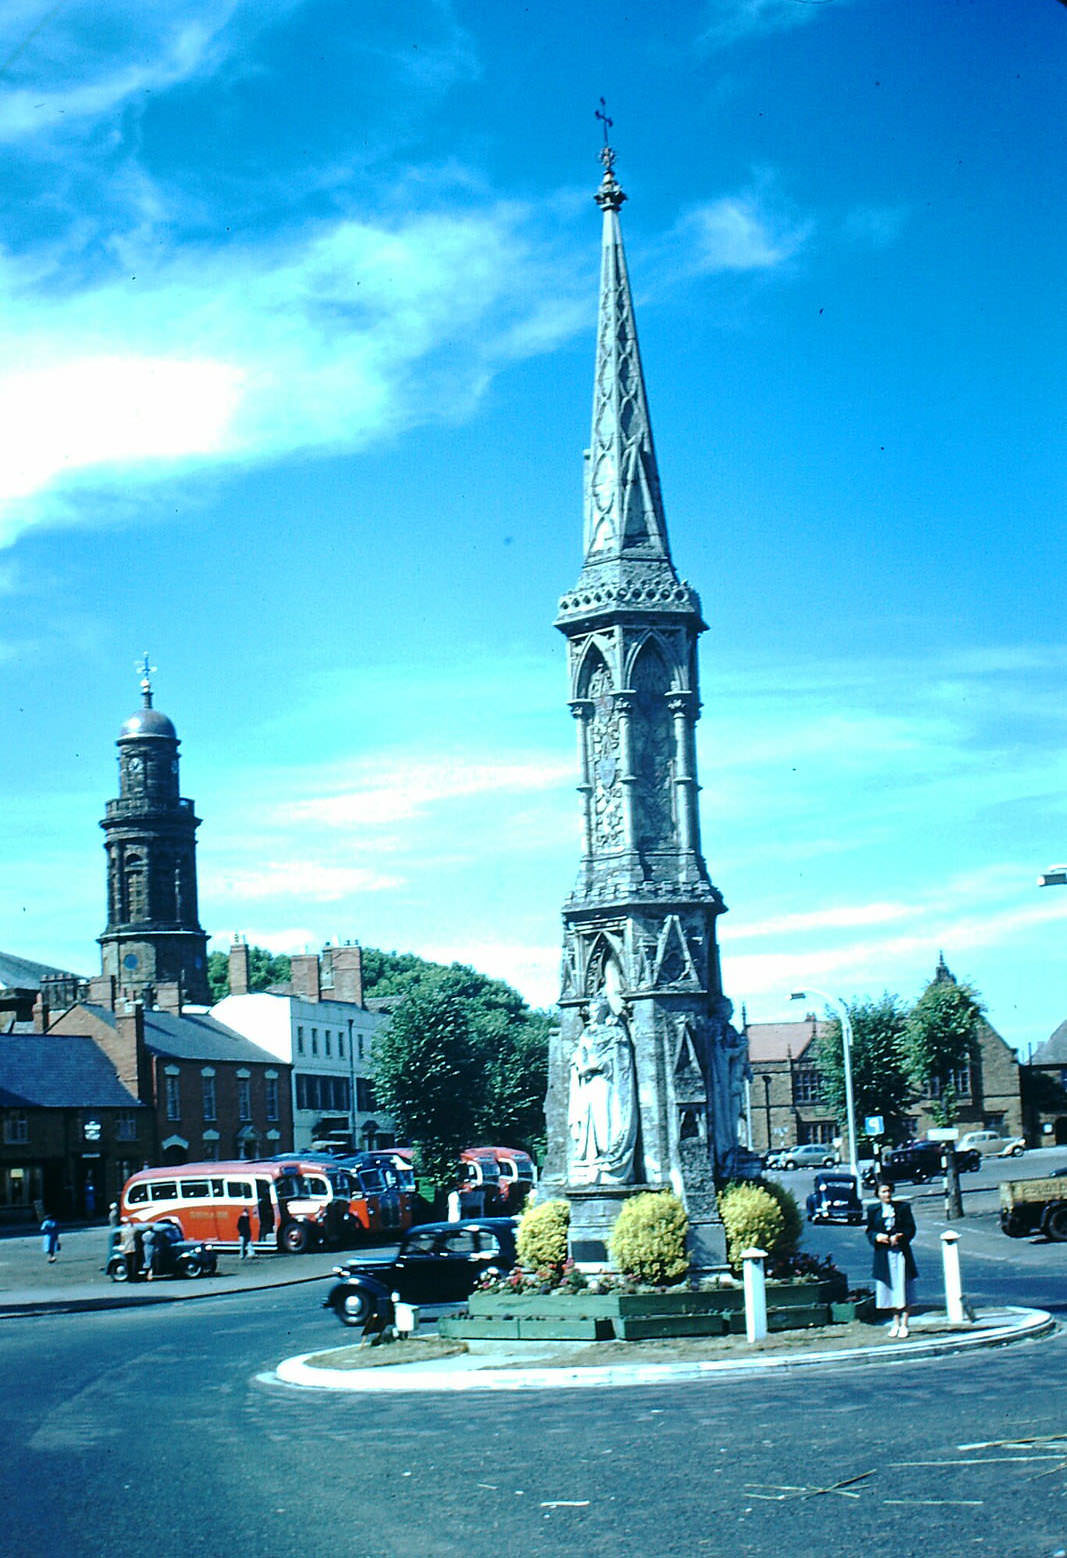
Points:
[(880, 1080), (427, 1076), (264, 969), (510, 1039), (941, 1038)]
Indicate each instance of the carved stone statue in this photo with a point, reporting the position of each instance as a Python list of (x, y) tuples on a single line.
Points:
[(730, 1069), (602, 1110)]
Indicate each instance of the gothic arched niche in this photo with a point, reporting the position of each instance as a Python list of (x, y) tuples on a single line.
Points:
[(603, 973), (602, 752), (652, 744)]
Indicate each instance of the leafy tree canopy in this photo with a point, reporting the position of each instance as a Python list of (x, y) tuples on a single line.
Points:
[(506, 1091), (510, 1040), (880, 1082), (427, 1072), (941, 1037)]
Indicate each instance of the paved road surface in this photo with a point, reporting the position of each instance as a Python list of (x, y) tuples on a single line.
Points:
[(156, 1433)]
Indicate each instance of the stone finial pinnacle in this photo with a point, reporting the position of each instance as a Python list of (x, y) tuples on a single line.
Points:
[(609, 197)]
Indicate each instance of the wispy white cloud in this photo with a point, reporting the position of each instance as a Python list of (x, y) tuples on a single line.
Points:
[(301, 880), (86, 59), (728, 21), (378, 794), (740, 232), (346, 334)]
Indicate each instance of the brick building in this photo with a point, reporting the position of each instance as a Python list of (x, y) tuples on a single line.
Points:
[(785, 1108), (213, 1094), (1045, 1092), (71, 1132), (318, 1025)]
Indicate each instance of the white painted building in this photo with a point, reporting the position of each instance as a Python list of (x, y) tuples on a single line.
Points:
[(321, 1028)]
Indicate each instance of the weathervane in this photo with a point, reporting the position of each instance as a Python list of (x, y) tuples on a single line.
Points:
[(146, 672)]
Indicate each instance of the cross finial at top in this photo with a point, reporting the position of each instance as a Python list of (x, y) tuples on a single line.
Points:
[(609, 197), (146, 672), (607, 155)]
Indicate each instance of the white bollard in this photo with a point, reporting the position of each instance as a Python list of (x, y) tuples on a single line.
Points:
[(755, 1278), (950, 1256)]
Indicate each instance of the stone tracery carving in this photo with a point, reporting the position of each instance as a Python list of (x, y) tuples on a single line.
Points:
[(604, 762)]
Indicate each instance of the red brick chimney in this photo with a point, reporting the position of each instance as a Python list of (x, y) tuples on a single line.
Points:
[(125, 1047), (348, 973), (239, 972), (304, 976), (40, 1014)]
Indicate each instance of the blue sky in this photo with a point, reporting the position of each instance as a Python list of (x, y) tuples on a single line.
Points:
[(297, 302)]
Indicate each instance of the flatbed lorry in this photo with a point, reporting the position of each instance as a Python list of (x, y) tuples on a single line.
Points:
[(1029, 1206)]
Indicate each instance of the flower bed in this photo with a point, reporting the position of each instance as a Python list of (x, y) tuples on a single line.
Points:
[(634, 1316)]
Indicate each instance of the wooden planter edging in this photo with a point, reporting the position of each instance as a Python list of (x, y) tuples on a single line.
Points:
[(644, 1316)]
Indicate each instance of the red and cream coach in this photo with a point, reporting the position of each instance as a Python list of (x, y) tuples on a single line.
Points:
[(293, 1205)]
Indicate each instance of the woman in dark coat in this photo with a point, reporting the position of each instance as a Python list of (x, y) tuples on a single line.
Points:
[(890, 1230)]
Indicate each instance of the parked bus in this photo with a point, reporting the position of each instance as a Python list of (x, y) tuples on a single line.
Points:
[(388, 1183), (518, 1176), (294, 1204)]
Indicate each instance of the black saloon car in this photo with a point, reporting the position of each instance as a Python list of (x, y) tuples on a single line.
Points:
[(921, 1160), (437, 1263), (172, 1256), (835, 1199)]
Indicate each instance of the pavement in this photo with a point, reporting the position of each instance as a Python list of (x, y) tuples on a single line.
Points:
[(516, 1366), (77, 1282)]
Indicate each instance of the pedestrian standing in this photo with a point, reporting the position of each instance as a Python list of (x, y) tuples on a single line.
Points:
[(890, 1230), (50, 1245), (113, 1215), (148, 1251), (244, 1233)]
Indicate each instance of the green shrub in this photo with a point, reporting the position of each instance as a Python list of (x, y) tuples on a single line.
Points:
[(751, 1215), (793, 1221), (541, 1242), (648, 1239)]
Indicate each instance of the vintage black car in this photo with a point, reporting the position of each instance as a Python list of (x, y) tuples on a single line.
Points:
[(437, 1263), (921, 1160), (173, 1256), (835, 1199)]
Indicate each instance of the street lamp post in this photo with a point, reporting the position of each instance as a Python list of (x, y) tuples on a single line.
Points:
[(846, 1052)]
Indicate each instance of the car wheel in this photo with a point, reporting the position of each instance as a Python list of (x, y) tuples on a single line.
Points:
[(193, 1268), (119, 1271), (353, 1307), (920, 1176), (828, 1162), (1056, 1224), (789, 1164), (295, 1238), (1016, 1152)]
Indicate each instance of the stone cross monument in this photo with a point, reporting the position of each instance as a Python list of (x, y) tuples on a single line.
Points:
[(646, 1075)]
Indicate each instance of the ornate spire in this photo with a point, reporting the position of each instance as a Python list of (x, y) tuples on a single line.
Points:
[(623, 505)]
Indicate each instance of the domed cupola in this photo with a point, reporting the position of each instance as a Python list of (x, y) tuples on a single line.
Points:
[(153, 935)]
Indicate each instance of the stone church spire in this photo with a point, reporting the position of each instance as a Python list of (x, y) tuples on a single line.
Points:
[(623, 504), (153, 936), (646, 1077)]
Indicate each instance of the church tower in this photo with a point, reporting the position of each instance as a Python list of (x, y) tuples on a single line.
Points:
[(647, 1074), (153, 936)]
